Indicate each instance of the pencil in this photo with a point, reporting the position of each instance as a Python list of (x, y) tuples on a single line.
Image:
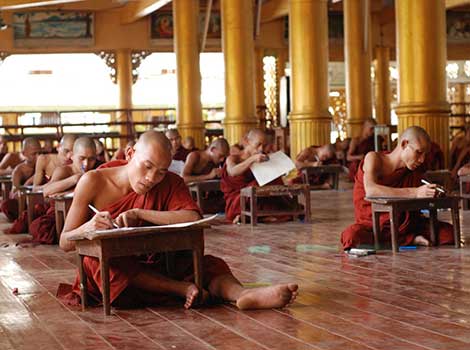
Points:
[(437, 188), (96, 211)]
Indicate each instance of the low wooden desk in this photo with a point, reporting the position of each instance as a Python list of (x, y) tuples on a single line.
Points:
[(61, 208), (464, 182), (395, 206), (31, 199), (252, 193), (332, 170), (440, 177), (6, 185), (133, 242), (200, 188)]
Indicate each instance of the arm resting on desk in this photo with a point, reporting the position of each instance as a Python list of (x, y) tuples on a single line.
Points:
[(131, 217)]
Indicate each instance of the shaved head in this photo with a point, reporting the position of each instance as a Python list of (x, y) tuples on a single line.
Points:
[(84, 143), (31, 143), (415, 133), (221, 144), (172, 133), (154, 138), (255, 133), (67, 141)]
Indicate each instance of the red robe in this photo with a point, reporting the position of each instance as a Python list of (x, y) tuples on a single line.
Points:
[(364, 147), (170, 194), (9, 207), (113, 163), (411, 224), (181, 154), (434, 158), (231, 186)]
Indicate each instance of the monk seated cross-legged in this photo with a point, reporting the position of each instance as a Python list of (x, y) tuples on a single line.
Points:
[(360, 146), (396, 174), (315, 156), (22, 176), (236, 175), (63, 179), (145, 192)]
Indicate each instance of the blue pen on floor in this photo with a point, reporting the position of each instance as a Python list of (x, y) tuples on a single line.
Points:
[(408, 247)]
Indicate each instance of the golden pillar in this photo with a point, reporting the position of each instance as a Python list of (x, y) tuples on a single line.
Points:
[(310, 121), (421, 53), (383, 95), (124, 81), (259, 86), (459, 109), (357, 55), (238, 47), (186, 41)]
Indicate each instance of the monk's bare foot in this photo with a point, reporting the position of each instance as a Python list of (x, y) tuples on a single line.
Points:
[(236, 220), (420, 240), (192, 293), (277, 296)]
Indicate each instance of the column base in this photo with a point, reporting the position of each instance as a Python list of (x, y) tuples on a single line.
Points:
[(235, 130), (434, 119), (196, 131), (307, 130)]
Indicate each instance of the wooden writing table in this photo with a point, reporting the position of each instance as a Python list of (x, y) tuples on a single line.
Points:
[(6, 185), (464, 181), (441, 177), (109, 244), (332, 170), (252, 193), (62, 205), (395, 206), (199, 188)]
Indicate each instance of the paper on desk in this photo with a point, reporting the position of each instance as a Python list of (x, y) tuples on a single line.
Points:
[(278, 164), (176, 167), (149, 228)]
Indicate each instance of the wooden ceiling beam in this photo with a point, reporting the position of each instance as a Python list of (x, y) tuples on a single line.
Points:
[(456, 3), (22, 4), (136, 10), (274, 9)]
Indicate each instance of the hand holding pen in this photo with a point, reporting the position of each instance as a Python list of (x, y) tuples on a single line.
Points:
[(105, 215), (437, 189)]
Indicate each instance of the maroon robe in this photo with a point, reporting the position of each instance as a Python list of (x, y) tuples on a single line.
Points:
[(411, 224), (434, 158), (365, 146), (181, 154), (169, 195)]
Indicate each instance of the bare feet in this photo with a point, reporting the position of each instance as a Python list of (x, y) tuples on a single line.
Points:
[(236, 220), (276, 296), (420, 240), (192, 293)]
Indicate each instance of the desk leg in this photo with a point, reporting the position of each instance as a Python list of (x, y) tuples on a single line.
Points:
[(394, 224), (254, 207), (336, 181), (83, 282), (433, 226), (308, 208), (197, 263), (376, 227), (104, 262), (59, 223), (456, 224)]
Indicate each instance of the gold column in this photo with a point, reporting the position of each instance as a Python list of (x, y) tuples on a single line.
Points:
[(259, 84), (459, 97), (124, 81), (186, 41), (310, 121), (238, 47), (383, 95), (421, 53), (357, 54)]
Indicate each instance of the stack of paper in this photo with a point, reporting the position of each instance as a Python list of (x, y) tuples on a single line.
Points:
[(278, 165)]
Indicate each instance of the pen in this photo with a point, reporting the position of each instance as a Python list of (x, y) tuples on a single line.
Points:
[(96, 211), (437, 188)]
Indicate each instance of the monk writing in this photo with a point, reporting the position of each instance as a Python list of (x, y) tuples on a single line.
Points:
[(396, 174), (177, 150), (22, 175), (204, 165), (459, 150), (316, 156), (63, 179), (143, 191), (360, 146), (47, 163)]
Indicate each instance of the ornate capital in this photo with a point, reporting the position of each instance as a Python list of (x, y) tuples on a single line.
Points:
[(136, 59), (110, 59), (3, 55)]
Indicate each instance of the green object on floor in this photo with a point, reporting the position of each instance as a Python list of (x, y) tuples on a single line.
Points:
[(302, 248), (259, 249), (256, 284)]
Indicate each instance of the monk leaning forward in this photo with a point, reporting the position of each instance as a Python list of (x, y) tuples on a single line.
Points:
[(143, 191), (396, 174)]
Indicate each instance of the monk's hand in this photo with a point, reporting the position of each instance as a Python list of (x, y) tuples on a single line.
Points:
[(129, 218), (101, 221), (260, 157), (426, 191), (216, 172)]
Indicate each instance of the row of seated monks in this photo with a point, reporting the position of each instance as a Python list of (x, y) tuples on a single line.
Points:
[(139, 190)]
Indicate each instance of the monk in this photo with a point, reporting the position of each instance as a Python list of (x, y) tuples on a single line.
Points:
[(143, 191), (395, 174), (63, 179), (434, 158), (236, 175), (10, 161), (315, 156), (177, 150), (48, 147), (205, 165), (121, 153), (22, 175), (360, 146), (189, 144), (458, 150), (102, 155), (47, 163)]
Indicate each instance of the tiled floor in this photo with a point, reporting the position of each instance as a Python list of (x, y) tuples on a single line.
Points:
[(414, 300)]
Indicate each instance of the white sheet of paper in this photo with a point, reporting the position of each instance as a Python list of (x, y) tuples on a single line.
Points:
[(278, 164), (176, 167)]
